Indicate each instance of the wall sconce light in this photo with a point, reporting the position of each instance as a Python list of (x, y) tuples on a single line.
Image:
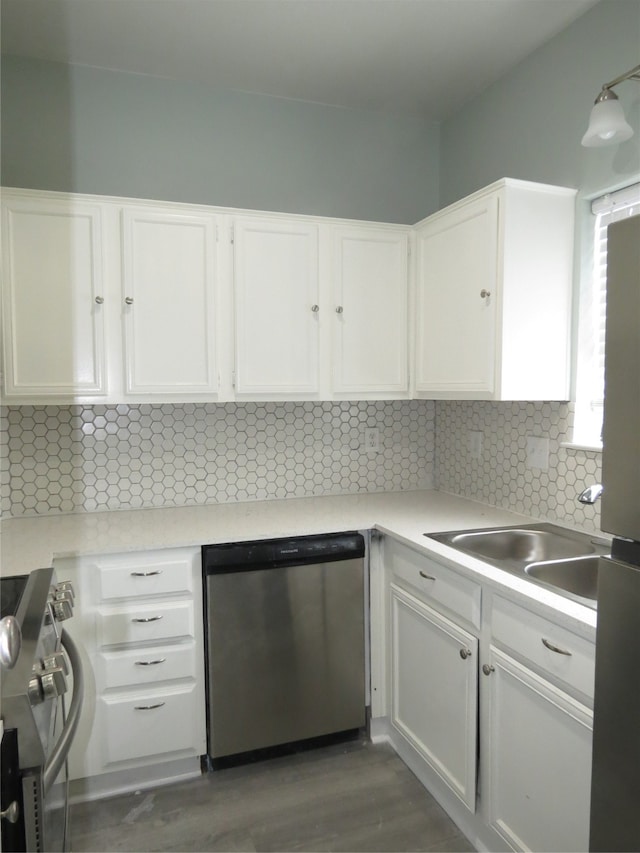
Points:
[(607, 124)]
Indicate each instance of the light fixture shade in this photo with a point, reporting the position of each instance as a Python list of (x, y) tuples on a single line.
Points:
[(607, 124)]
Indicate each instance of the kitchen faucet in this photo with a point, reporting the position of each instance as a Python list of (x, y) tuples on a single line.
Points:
[(591, 494)]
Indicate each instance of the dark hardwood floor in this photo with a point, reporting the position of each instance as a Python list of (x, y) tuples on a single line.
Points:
[(346, 797)]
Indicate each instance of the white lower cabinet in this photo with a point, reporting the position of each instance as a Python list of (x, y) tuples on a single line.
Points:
[(137, 727), (538, 773), (433, 615), (536, 688), (142, 649), (502, 695), (434, 690)]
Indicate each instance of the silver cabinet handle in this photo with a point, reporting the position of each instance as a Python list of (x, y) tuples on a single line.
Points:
[(148, 707), (488, 669), (555, 649), (128, 300), (149, 662), (11, 813), (147, 619), (426, 576), (485, 294), (465, 653), (145, 574), (339, 309), (315, 308), (99, 300)]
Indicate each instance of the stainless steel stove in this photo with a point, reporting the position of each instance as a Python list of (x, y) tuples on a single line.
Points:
[(39, 664)]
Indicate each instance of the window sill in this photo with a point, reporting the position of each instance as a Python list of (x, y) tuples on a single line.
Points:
[(575, 445)]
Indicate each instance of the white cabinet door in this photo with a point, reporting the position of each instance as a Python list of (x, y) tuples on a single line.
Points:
[(494, 283), (434, 690), (536, 789), (277, 306), (53, 305), (455, 335), (169, 277), (370, 311)]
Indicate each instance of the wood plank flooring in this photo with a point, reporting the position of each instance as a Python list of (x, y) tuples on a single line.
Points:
[(346, 797)]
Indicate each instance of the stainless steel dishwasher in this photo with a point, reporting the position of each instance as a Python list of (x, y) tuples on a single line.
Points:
[(284, 623)]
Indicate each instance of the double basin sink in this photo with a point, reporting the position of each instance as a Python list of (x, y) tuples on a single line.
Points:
[(563, 560)]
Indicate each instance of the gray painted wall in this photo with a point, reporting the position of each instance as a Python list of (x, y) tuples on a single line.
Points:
[(529, 124), (80, 129)]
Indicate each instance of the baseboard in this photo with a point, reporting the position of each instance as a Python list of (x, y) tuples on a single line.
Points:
[(133, 780)]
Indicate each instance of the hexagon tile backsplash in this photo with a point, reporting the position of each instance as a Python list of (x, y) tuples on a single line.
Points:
[(79, 459), (503, 475)]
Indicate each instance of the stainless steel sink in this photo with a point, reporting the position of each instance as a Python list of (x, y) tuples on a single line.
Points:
[(578, 576), (546, 554), (520, 545)]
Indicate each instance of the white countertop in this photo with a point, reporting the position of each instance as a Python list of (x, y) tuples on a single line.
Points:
[(30, 543)]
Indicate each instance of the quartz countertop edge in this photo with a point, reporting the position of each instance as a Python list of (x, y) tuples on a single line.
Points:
[(33, 542)]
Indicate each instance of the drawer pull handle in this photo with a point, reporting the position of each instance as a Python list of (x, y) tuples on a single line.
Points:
[(145, 574), (149, 662), (148, 707), (147, 619), (555, 649), (426, 576)]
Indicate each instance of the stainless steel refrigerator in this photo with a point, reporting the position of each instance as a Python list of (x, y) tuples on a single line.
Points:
[(615, 785)]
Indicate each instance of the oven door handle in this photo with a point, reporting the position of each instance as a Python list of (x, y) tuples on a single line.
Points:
[(60, 751)]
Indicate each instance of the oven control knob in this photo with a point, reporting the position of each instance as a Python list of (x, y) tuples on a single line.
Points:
[(66, 587), (36, 695), (57, 660), (62, 610), (10, 642), (61, 601), (11, 813), (53, 683)]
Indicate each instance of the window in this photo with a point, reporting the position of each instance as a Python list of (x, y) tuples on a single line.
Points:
[(590, 379)]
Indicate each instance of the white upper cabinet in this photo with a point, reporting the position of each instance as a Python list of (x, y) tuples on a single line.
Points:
[(493, 302), (276, 307), (53, 303), (370, 312), (168, 301)]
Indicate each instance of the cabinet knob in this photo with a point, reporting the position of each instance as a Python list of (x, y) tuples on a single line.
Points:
[(465, 653), (485, 294), (488, 669), (315, 308), (99, 300), (339, 309), (128, 300)]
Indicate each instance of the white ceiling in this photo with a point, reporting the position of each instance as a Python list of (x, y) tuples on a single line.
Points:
[(417, 56)]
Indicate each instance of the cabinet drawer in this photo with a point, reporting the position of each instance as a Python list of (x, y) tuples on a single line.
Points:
[(132, 667), (436, 585), (558, 652), (137, 579), (145, 623), (153, 723)]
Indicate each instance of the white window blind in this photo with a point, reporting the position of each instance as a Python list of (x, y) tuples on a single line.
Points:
[(589, 405)]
